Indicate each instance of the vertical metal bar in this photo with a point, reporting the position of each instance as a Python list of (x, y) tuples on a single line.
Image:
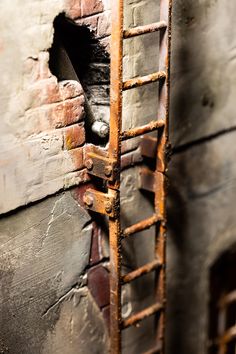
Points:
[(163, 113), (116, 78)]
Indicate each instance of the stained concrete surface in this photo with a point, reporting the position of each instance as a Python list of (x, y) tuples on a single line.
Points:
[(202, 172), (44, 251)]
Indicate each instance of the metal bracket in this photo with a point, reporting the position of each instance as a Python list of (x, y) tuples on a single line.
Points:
[(102, 203), (100, 166)]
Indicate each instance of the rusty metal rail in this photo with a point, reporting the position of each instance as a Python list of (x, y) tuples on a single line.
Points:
[(133, 320), (139, 30), (109, 203), (147, 128), (143, 80), (146, 269), (141, 226)]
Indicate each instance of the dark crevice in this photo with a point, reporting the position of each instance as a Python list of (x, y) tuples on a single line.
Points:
[(205, 139)]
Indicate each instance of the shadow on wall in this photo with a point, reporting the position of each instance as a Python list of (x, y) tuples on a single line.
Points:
[(185, 246)]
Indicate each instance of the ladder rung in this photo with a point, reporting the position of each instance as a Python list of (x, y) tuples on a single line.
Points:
[(139, 30), (143, 80), (141, 226), (132, 320), (147, 268), (132, 133)]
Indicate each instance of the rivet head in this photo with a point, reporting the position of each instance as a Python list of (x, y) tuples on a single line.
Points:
[(108, 207), (89, 164), (108, 171), (88, 200)]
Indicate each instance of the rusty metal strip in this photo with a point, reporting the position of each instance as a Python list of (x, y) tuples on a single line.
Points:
[(100, 166), (103, 203), (141, 226), (140, 316), (160, 195), (116, 83), (143, 80), (144, 129), (139, 30), (147, 268), (226, 338), (228, 299)]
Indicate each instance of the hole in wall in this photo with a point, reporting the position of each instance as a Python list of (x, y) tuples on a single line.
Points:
[(76, 54)]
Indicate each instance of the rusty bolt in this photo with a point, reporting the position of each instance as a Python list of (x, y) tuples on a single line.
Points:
[(108, 207), (108, 171), (89, 164), (88, 200)]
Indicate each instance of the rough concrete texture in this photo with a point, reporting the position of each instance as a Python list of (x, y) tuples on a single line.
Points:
[(202, 187), (44, 252), (81, 326), (203, 69)]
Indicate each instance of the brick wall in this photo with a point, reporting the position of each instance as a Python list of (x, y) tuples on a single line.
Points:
[(42, 126)]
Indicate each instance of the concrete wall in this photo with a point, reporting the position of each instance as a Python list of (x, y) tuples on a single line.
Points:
[(202, 184)]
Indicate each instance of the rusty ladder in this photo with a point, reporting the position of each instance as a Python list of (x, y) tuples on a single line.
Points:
[(108, 168)]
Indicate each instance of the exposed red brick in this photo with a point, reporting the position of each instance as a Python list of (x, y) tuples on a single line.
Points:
[(98, 284), (44, 92), (77, 158), (100, 23), (91, 7), (78, 192), (70, 89), (91, 22), (66, 112), (74, 136), (73, 8), (50, 91), (104, 24)]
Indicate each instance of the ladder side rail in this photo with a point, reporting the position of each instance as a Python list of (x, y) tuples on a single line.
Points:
[(114, 152), (160, 193)]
